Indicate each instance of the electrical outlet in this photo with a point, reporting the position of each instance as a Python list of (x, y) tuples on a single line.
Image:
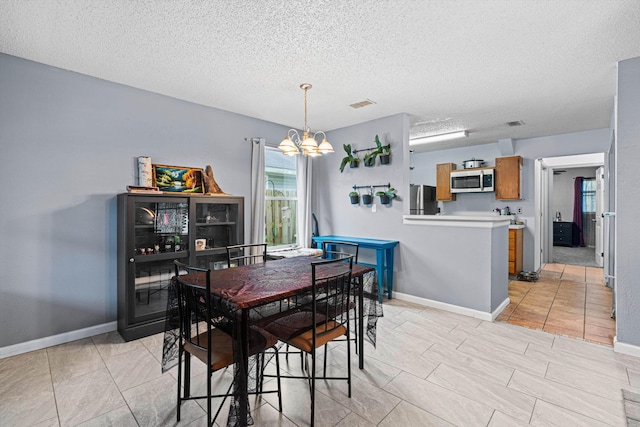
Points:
[(373, 207), (519, 210)]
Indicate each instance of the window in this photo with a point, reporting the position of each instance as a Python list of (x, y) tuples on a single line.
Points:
[(588, 195), (281, 198)]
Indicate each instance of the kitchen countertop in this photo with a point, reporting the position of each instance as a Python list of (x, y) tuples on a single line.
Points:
[(461, 219), (480, 219)]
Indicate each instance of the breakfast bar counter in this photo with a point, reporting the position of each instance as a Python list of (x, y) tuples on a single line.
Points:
[(464, 267)]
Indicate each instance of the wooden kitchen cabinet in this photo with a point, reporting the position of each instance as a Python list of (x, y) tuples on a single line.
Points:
[(507, 179), (515, 251), (443, 182)]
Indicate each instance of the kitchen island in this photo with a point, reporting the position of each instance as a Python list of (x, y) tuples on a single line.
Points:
[(468, 273)]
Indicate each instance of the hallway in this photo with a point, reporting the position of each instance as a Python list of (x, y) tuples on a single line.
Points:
[(568, 300)]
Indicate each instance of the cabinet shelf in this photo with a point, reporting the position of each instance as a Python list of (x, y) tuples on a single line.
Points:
[(207, 224), (161, 256), (211, 251)]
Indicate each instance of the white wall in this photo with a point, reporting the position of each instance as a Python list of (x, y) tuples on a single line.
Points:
[(68, 144)]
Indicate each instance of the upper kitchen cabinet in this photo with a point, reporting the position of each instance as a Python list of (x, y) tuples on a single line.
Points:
[(443, 182), (508, 173)]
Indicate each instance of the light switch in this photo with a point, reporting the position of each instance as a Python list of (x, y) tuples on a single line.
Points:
[(373, 207)]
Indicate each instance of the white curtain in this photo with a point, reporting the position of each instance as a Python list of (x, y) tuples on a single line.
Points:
[(304, 201), (257, 190)]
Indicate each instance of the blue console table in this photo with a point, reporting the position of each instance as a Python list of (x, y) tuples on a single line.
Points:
[(384, 257)]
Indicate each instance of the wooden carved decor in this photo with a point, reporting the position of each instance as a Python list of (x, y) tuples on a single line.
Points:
[(210, 184)]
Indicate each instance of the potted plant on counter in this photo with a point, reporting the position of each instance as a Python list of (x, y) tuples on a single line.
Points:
[(354, 196), (353, 161), (386, 196)]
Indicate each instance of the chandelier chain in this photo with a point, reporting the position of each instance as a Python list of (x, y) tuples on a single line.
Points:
[(305, 110)]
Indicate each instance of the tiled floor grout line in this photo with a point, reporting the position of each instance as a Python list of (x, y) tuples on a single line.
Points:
[(53, 389), (549, 310)]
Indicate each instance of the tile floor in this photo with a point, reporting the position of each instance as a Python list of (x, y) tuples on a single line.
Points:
[(430, 368), (568, 300)]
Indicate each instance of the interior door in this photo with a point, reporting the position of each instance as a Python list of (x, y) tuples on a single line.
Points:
[(542, 237), (599, 218)]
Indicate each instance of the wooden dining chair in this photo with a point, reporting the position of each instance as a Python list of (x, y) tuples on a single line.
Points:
[(208, 335), (251, 253), (324, 320)]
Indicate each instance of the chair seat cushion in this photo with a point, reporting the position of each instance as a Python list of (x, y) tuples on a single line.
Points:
[(297, 329), (324, 334), (222, 345)]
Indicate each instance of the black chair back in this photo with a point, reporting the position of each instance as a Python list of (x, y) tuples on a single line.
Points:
[(194, 306), (252, 253), (330, 295), (337, 249)]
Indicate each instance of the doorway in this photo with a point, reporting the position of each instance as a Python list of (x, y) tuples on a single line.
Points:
[(550, 210), (570, 297), (576, 216)]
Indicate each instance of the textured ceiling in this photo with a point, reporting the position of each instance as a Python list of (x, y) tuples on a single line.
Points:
[(450, 64)]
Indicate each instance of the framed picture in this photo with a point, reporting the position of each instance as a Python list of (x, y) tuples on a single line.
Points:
[(178, 179)]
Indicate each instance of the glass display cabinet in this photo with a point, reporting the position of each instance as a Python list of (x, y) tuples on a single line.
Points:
[(155, 230)]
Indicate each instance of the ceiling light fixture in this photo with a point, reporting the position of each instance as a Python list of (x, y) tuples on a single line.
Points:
[(438, 138), (291, 145)]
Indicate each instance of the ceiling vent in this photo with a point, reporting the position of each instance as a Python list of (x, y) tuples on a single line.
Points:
[(516, 123), (362, 103)]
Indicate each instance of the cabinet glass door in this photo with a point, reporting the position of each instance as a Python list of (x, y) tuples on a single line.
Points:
[(161, 235), (216, 227)]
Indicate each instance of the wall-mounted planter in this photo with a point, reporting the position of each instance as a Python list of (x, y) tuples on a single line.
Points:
[(354, 163), (355, 200), (369, 161), (386, 196), (367, 199), (385, 159)]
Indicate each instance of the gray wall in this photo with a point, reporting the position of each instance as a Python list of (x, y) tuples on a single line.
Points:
[(424, 172), (423, 265), (627, 270), (562, 199), (68, 145)]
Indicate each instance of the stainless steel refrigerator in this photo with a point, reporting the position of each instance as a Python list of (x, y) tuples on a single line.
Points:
[(423, 200)]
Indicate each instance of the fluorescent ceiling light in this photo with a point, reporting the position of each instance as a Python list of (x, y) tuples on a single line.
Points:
[(438, 138)]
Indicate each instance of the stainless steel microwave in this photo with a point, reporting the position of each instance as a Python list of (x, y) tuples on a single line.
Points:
[(472, 180)]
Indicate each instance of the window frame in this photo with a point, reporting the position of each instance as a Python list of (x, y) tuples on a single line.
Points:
[(276, 198)]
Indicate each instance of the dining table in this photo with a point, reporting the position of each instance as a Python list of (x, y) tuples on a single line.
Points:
[(253, 293)]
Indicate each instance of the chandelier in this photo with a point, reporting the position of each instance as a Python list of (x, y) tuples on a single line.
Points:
[(292, 144)]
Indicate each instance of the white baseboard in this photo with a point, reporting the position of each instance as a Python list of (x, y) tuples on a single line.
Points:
[(454, 308), (65, 337), (620, 347)]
